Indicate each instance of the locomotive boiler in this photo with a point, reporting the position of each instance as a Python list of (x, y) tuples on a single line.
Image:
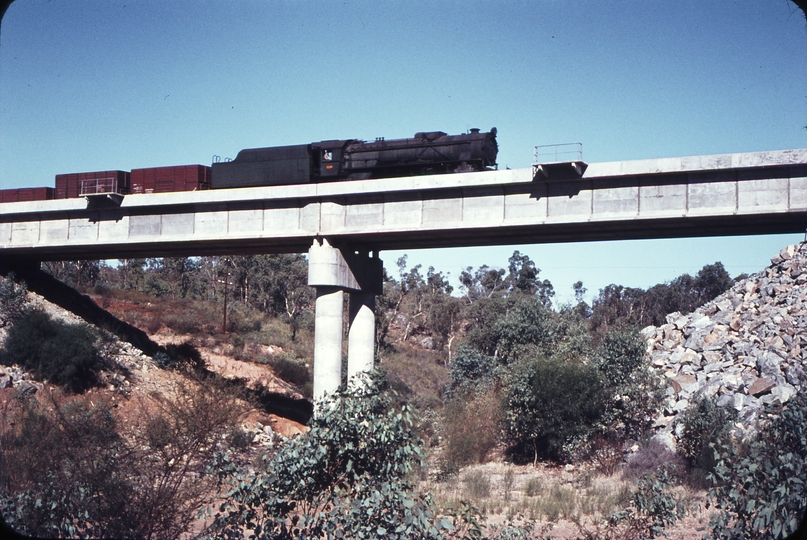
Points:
[(432, 152)]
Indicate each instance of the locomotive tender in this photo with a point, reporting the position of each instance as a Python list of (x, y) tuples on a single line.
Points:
[(432, 152)]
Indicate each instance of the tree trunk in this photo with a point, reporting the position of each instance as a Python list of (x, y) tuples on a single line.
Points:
[(535, 452)]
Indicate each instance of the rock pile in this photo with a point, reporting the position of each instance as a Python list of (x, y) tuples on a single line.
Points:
[(746, 348)]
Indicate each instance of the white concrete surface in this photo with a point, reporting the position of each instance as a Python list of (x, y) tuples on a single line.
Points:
[(328, 341), (361, 334), (732, 194)]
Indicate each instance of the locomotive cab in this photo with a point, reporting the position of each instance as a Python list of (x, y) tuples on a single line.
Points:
[(327, 158)]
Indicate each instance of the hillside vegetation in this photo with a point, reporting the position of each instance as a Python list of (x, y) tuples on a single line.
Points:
[(489, 402)]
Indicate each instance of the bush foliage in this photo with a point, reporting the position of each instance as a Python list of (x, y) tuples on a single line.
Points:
[(13, 300), (759, 488), (697, 428), (64, 354), (557, 390), (472, 428), (293, 370), (635, 391), (66, 469), (182, 356), (345, 478), (551, 405)]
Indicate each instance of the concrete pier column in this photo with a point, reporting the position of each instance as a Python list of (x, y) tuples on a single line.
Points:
[(328, 341), (361, 334), (331, 271)]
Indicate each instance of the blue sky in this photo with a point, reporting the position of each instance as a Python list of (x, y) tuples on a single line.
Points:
[(96, 85)]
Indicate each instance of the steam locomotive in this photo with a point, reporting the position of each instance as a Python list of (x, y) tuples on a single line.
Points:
[(432, 152)]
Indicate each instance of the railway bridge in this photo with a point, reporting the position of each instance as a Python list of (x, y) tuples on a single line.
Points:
[(343, 226)]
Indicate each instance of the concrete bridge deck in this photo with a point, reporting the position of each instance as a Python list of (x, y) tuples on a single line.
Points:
[(731, 194)]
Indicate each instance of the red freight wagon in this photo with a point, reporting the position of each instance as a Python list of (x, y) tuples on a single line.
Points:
[(26, 194), (167, 179), (8, 195), (69, 186)]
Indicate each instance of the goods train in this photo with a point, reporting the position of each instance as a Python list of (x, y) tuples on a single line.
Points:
[(432, 152)]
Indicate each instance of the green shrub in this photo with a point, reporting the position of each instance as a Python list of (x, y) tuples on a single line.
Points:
[(345, 478), (525, 325), (154, 286), (13, 300), (471, 370), (103, 290), (477, 484), (551, 406), (759, 488), (184, 322), (655, 507), (696, 429), (636, 391), (652, 509), (182, 356), (239, 438), (242, 319), (507, 482), (61, 353), (533, 487), (620, 354), (558, 502)]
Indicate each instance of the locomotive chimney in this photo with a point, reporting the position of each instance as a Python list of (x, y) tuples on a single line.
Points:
[(474, 130)]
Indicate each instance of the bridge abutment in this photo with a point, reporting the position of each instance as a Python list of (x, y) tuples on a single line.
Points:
[(333, 271)]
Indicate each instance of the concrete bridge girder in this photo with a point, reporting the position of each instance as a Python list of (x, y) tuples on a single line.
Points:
[(730, 194), (333, 271)]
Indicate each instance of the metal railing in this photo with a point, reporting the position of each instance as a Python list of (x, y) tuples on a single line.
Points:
[(558, 153), (92, 186)]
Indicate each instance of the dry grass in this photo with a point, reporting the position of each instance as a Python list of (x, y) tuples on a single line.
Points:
[(553, 497)]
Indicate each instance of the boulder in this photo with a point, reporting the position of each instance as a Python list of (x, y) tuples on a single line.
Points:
[(745, 349)]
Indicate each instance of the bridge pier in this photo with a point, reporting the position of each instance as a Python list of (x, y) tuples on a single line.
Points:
[(328, 340), (333, 271), (361, 334)]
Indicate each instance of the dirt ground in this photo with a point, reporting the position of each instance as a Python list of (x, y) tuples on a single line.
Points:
[(255, 374)]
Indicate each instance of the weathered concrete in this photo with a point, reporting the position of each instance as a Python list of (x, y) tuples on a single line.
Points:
[(732, 194)]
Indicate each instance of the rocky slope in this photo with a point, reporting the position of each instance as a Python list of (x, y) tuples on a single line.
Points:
[(746, 348), (132, 376)]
